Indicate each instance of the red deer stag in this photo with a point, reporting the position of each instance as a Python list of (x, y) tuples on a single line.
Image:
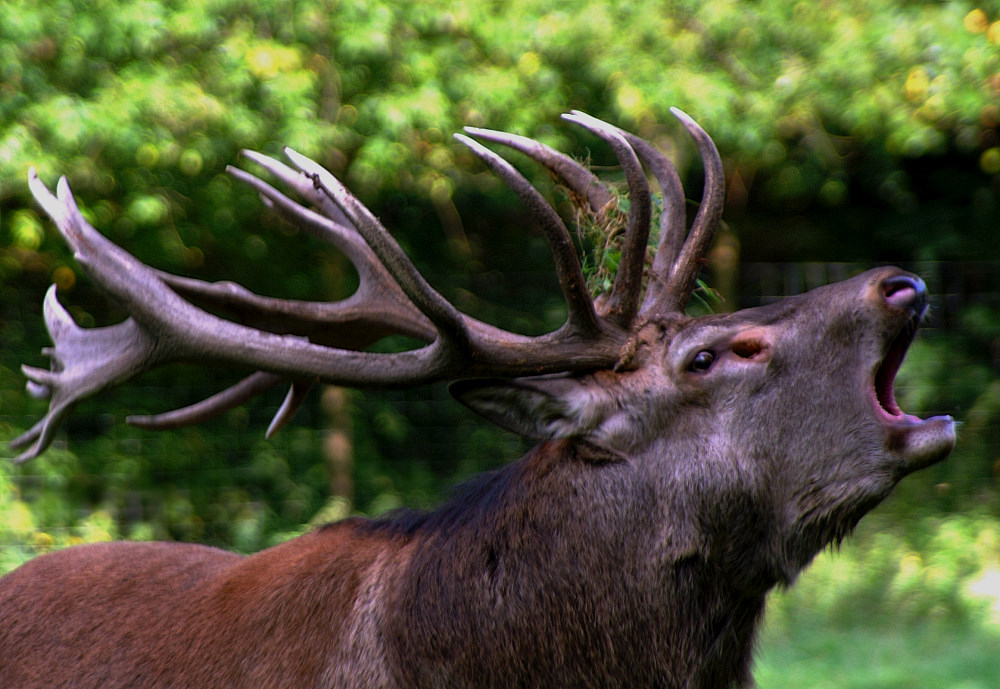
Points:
[(686, 465)]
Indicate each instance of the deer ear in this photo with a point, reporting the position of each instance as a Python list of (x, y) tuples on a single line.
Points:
[(539, 408)]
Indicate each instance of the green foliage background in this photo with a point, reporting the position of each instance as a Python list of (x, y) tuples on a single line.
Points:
[(852, 132)]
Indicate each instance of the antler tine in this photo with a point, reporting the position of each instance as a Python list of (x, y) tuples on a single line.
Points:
[(346, 324), (85, 241), (450, 322), (230, 398), (376, 283), (624, 300), (113, 353), (579, 180), (211, 407), (298, 391), (673, 218), (674, 295), (332, 226), (582, 316), (299, 181)]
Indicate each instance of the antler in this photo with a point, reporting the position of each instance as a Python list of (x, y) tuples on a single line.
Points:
[(306, 342)]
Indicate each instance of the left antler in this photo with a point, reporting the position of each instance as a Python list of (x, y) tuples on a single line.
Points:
[(305, 342)]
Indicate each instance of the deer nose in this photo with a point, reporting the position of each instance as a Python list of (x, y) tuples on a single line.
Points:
[(905, 292)]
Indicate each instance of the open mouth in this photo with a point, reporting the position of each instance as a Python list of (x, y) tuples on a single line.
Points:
[(920, 442), (885, 378), (917, 442)]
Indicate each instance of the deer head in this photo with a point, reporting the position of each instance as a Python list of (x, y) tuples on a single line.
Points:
[(686, 464)]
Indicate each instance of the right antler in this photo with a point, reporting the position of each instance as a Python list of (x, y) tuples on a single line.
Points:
[(305, 342)]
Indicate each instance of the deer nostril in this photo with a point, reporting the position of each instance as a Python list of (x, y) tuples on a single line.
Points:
[(905, 292)]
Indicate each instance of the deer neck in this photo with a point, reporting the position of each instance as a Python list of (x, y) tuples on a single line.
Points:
[(541, 569)]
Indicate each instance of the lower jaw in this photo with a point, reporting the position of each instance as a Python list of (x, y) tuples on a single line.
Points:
[(919, 442)]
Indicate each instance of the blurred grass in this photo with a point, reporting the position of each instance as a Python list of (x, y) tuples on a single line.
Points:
[(898, 607), (919, 657)]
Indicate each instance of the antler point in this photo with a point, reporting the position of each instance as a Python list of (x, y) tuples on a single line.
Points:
[(25, 456), (469, 142), (686, 120), (62, 188), (485, 132)]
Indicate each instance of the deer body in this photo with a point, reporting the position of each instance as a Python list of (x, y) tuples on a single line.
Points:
[(505, 599), (634, 546)]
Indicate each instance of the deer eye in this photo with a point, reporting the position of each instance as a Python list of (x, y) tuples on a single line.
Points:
[(702, 361)]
